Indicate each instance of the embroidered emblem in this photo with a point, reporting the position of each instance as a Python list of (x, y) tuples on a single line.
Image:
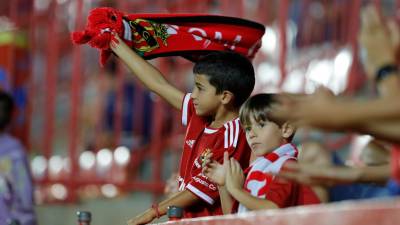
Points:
[(148, 35)]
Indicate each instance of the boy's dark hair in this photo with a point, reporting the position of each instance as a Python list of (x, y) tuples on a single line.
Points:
[(228, 71), (6, 109), (259, 107)]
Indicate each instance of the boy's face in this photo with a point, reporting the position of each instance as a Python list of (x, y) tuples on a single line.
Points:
[(205, 99), (263, 137)]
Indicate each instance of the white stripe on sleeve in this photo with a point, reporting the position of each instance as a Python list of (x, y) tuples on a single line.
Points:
[(226, 136), (237, 126), (185, 109), (200, 194), (230, 133)]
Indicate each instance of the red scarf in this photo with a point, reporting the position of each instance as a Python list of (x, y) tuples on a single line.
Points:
[(187, 35)]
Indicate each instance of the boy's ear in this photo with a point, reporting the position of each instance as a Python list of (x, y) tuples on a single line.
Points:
[(227, 97), (288, 130)]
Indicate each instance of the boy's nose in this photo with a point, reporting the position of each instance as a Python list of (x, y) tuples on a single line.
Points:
[(252, 134), (194, 94)]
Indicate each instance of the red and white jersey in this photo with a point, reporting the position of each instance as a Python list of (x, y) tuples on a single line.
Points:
[(200, 138), (260, 176)]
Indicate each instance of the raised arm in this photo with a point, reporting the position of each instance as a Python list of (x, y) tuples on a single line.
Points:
[(150, 76), (387, 130)]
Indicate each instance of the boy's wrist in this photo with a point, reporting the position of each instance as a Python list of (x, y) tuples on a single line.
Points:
[(156, 211), (151, 213), (234, 191)]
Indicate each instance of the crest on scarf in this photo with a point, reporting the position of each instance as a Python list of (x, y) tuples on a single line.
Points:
[(148, 35)]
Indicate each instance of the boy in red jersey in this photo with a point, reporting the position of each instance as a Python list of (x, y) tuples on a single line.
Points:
[(223, 81), (259, 189)]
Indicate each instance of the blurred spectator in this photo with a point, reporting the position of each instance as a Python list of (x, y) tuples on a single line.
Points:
[(315, 153), (378, 117), (373, 154), (16, 189), (130, 108)]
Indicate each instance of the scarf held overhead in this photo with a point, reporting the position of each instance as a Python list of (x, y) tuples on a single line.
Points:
[(154, 35)]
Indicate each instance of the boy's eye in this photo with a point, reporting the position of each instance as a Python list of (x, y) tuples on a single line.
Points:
[(261, 125), (247, 129)]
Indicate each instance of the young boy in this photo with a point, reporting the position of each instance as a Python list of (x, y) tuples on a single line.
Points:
[(271, 143), (223, 81)]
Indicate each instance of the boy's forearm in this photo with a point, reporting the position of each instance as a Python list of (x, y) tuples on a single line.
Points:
[(150, 76), (384, 108), (387, 130), (226, 200), (143, 70), (182, 199), (374, 174), (354, 115), (251, 202)]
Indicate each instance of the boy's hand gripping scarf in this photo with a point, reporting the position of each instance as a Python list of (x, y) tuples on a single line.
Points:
[(154, 35), (256, 182)]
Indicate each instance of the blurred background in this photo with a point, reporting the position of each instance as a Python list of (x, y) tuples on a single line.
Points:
[(97, 140)]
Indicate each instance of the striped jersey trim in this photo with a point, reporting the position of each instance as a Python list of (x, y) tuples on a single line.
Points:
[(200, 194), (185, 109), (231, 135)]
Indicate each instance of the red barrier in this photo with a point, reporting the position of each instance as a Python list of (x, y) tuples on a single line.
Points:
[(345, 213)]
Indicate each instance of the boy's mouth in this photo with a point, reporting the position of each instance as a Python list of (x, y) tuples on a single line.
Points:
[(254, 145)]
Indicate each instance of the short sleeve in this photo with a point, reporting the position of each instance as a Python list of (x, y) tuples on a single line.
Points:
[(203, 188), (307, 196), (279, 191)]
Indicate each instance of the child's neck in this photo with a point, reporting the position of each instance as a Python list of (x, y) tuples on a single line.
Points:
[(221, 117)]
